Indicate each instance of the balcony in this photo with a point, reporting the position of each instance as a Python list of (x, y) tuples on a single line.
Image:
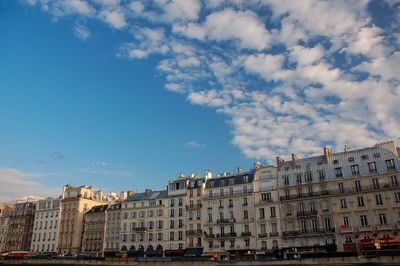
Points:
[(305, 195), (307, 213), (209, 235), (226, 221), (194, 232), (193, 207), (319, 231), (246, 233), (140, 229), (263, 235), (274, 234), (384, 227), (364, 228), (227, 235), (235, 193), (346, 229)]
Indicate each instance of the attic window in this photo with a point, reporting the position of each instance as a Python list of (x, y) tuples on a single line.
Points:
[(377, 155), (351, 159), (335, 161), (364, 157)]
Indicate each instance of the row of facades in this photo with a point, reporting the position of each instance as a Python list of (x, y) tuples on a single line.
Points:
[(324, 203)]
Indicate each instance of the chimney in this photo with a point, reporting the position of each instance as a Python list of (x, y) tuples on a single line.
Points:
[(148, 190), (347, 148), (294, 159), (257, 165), (279, 162), (239, 170), (327, 153)]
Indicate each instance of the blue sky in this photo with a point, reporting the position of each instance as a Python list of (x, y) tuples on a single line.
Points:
[(128, 94)]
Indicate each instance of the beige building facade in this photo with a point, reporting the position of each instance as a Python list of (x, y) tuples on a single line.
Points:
[(46, 225), (229, 214), (75, 202)]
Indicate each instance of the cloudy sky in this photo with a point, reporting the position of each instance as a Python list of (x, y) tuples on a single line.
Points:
[(126, 94)]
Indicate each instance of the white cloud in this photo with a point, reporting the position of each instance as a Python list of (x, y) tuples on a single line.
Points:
[(82, 32), (182, 10), (176, 87), (385, 67), (16, 184), (190, 30), (136, 6), (114, 17), (211, 98), (245, 27), (305, 56), (194, 144)]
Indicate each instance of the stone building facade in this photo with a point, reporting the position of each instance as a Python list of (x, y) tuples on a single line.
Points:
[(94, 230), (75, 202), (5, 213), (46, 225), (20, 227)]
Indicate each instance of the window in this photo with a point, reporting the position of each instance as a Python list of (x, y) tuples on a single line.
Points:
[(221, 192), (338, 172), (345, 221), (372, 167), (273, 212), (335, 161), (303, 225), (343, 203), (355, 170), (349, 239), (171, 224), (244, 201), (285, 180), (397, 197), (360, 200), (364, 157), (390, 165), (378, 198), (321, 175), (262, 213), (382, 219), (266, 197), (172, 202), (358, 185), (308, 177), (245, 214), (298, 179), (375, 183), (171, 236), (247, 242), (351, 159), (364, 220), (341, 187), (180, 201), (180, 212), (395, 183), (210, 217), (172, 213), (314, 225)]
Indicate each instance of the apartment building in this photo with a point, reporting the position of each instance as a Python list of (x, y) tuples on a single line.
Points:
[(75, 202), (175, 240), (229, 214), (365, 196), (20, 227), (94, 230), (267, 211), (194, 228), (113, 229), (46, 225), (143, 222), (5, 213), (305, 204)]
